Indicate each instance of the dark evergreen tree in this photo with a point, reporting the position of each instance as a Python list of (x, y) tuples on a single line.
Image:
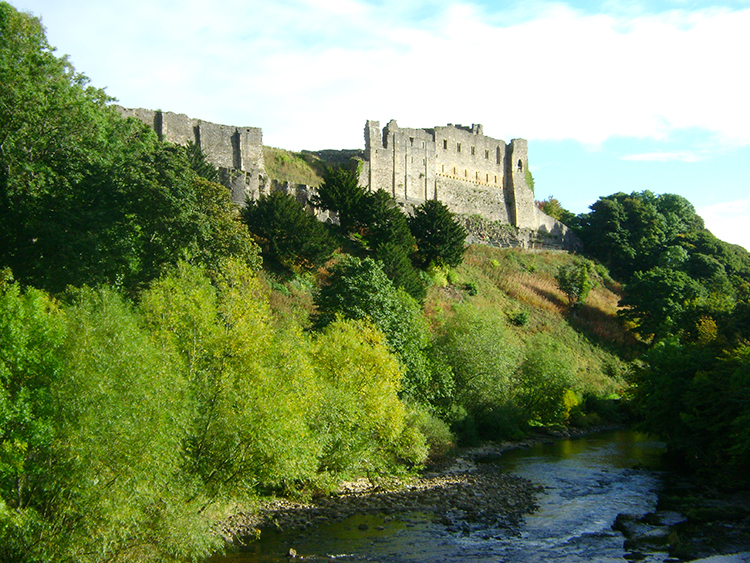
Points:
[(340, 192), (440, 239), (289, 237)]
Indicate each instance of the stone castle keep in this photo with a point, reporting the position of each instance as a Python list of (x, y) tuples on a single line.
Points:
[(474, 175)]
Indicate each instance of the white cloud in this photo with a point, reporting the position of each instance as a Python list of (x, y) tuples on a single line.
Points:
[(311, 71), (680, 156), (729, 221)]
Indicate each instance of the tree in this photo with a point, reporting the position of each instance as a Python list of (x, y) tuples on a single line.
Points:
[(440, 239), (552, 207), (290, 238), (359, 289), (658, 301), (340, 192), (576, 281), (86, 196)]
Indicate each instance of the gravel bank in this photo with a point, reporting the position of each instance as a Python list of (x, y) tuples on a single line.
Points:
[(466, 493)]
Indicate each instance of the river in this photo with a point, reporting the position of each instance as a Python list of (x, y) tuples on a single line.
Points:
[(587, 482)]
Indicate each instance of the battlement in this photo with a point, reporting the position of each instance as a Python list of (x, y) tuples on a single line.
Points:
[(457, 164)]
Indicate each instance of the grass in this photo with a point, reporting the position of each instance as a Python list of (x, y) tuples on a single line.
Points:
[(520, 285), (297, 168)]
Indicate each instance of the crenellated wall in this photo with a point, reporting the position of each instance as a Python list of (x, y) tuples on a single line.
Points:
[(471, 173)]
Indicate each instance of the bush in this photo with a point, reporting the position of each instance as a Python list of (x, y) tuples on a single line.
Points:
[(361, 420)]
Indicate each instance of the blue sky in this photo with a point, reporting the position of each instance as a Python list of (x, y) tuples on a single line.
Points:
[(611, 95)]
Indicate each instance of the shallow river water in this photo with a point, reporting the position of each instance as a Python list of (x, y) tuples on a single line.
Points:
[(587, 482)]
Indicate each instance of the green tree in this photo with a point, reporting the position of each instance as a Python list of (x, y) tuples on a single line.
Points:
[(289, 237), (340, 192), (576, 280), (358, 289), (249, 428), (363, 422), (484, 356), (440, 239), (552, 207), (658, 301), (86, 196), (543, 377)]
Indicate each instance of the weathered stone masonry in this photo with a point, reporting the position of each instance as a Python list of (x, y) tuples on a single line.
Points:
[(472, 174), (469, 172), (236, 151), (460, 166)]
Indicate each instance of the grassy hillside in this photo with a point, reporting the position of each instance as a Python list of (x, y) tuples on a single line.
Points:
[(520, 287), (517, 290), (298, 168)]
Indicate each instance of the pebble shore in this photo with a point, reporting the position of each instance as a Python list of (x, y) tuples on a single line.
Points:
[(465, 493)]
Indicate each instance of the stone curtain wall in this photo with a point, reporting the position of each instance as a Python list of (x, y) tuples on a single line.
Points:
[(474, 175), (236, 151), (468, 171)]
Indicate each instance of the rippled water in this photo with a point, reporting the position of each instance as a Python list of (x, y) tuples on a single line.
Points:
[(588, 481)]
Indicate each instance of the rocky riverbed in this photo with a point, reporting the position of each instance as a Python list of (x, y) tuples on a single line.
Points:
[(466, 493)]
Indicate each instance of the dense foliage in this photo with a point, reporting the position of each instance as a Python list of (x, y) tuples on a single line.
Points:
[(686, 295), (152, 382), (290, 238), (86, 196)]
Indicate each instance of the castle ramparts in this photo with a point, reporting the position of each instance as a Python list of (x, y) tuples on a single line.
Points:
[(236, 151), (474, 175)]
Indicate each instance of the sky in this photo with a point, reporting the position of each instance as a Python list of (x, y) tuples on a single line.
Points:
[(613, 95)]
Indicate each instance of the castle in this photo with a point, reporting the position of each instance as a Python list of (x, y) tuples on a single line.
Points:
[(485, 181)]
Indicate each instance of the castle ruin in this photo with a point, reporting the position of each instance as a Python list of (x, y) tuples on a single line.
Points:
[(474, 175), (236, 151)]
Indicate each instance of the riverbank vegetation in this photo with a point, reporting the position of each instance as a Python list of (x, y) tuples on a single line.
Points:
[(167, 360)]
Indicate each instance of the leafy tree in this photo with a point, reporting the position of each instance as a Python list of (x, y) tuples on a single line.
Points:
[(358, 289), (440, 239), (696, 398), (484, 356), (32, 333), (576, 280), (543, 377), (249, 427), (362, 419), (658, 301), (552, 207), (86, 196), (290, 238)]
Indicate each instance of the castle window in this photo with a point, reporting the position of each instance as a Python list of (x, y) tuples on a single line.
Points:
[(412, 160), (411, 141), (496, 179), (454, 170), (487, 179), (458, 147), (498, 157), (472, 151), (422, 144), (520, 165), (487, 154), (443, 168), (466, 173), (445, 144), (476, 174)]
